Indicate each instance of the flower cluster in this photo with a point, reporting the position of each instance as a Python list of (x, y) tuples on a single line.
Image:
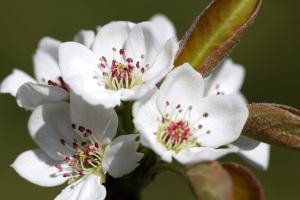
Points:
[(78, 84)]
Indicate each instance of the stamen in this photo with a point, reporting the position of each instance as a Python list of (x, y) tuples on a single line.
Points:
[(81, 128), (205, 114), (74, 126), (58, 166), (72, 164), (63, 141)]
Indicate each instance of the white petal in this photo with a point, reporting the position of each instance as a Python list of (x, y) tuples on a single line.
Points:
[(162, 65), (102, 122), (227, 115), (88, 187), (30, 95), (49, 45), (165, 26), (45, 67), (48, 124), (111, 35), (246, 143), (201, 154), (120, 156), (258, 157), (85, 37), (145, 38), (228, 78), (94, 93), (77, 59), (184, 86), (13, 81), (38, 168)]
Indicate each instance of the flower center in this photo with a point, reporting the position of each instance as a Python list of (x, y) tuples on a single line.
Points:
[(87, 157), (174, 131), (61, 83), (123, 74)]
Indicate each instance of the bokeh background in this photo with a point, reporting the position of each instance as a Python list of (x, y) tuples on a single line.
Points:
[(269, 51)]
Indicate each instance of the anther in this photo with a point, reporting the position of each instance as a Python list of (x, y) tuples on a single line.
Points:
[(51, 83), (74, 126), (83, 143), (143, 70), (178, 106), (104, 74), (180, 110), (67, 159), (163, 120), (200, 126), (208, 132), (81, 128), (167, 103), (96, 145), (59, 154), (67, 175), (89, 131), (58, 166), (114, 49), (72, 164), (138, 64), (124, 47), (103, 58), (205, 115), (88, 161), (121, 51), (86, 134), (81, 172), (75, 145), (130, 60), (147, 66), (63, 141), (190, 107), (102, 65), (142, 56)]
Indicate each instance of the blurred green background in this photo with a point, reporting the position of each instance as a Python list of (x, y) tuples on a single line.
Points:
[(269, 52)]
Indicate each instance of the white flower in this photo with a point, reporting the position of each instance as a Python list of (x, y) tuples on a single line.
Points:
[(133, 59), (82, 153), (32, 92), (226, 79), (178, 121)]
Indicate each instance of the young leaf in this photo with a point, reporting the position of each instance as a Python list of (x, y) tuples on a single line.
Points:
[(209, 181), (245, 185), (215, 32), (274, 124)]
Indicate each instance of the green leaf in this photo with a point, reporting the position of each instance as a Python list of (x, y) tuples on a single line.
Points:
[(215, 32), (209, 181), (274, 124), (245, 185)]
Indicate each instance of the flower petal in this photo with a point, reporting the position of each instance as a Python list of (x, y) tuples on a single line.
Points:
[(201, 154), (94, 93), (120, 156), (222, 118), (49, 45), (245, 143), (48, 124), (111, 35), (30, 95), (227, 78), (102, 122), (145, 38), (88, 187), (13, 81), (165, 26), (85, 37), (183, 85), (258, 157), (38, 168), (77, 59)]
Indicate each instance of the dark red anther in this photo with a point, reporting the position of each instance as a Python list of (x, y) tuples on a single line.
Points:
[(52, 83), (218, 93), (89, 131), (104, 59), (62, 83), (67, 175), (67, 159), (178, 106), (143, 70), (58, 166), (75, 145), (114, 62), (88, 161), (81, 172), (121, 51), (102, 65), (130, 60), (96, 145), (138, 64), (205, 115), (83, 143), (74, 126), (63, 141), (72, 164), (200, 126), (163, 120), (81, 128)]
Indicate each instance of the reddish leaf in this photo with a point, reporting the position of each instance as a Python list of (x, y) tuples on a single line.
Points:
[(209, 181), (274, 124), (245, 185), (215, 32)]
